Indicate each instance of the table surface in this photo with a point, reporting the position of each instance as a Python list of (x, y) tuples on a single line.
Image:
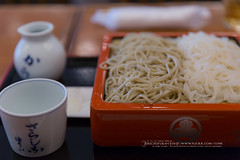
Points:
[(83, 39), (87, 43)]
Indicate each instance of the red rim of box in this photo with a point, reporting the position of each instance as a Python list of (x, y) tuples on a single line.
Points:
[(97, 102)]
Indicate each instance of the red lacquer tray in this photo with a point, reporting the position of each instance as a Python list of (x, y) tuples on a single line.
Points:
[(136, 124)]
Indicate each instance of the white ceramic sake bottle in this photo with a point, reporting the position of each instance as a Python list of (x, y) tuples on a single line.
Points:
[(39, 54)]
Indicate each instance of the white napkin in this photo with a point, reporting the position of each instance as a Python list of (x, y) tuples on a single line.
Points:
[(191, 16), (78, 104)]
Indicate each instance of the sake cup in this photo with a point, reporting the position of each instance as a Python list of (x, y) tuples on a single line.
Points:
[(33, 114)]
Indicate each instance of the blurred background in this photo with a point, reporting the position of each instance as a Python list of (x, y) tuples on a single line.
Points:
[(89, 1)]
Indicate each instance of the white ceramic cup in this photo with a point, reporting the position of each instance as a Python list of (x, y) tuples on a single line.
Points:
[(33, 114)]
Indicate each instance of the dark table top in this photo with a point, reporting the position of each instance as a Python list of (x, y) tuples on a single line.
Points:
[(78, 143)]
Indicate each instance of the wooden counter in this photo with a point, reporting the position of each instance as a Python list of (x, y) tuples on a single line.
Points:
[(87, 40)]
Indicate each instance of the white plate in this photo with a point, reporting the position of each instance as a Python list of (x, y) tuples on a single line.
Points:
[(78, 104)]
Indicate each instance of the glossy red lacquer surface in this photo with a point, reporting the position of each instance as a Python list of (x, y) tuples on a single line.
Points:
[(136, 124)]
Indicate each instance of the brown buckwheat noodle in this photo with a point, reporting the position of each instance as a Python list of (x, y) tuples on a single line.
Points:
[(144, 68)]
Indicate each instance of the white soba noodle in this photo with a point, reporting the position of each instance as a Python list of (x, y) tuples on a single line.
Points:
[(212, 67), (195, 68)]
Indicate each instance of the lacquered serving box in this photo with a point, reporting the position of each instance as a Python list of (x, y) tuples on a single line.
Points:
[(158, 124)]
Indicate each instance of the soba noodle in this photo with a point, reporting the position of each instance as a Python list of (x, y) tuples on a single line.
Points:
[(212, 67), (144, 68), (195, 68)]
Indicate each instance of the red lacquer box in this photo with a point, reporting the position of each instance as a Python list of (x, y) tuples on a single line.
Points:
[(136, 124)]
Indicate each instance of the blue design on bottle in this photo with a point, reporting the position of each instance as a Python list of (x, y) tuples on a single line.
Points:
[(29, 61)]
